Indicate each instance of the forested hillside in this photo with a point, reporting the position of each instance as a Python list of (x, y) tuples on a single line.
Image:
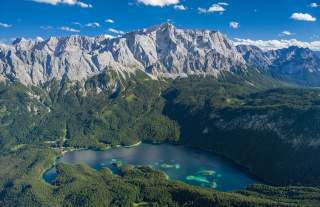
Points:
[(276, 141)]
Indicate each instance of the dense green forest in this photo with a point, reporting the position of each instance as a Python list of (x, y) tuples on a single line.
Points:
[(268, 127)]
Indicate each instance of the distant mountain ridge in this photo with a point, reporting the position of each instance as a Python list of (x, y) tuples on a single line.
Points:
[(293, 64), (159, 51)]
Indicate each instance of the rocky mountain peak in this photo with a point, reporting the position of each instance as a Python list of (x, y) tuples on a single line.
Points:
[(160, 51), (293, 64)]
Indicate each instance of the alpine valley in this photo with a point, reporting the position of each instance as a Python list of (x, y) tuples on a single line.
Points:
[(258, 109)]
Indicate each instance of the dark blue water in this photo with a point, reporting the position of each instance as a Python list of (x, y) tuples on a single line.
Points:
[(179, 163)]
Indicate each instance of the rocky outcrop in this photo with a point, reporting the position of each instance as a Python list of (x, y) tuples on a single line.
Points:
[(159, 51), (293, 64)]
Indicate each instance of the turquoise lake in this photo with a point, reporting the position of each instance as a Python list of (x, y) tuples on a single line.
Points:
[(189, 165)]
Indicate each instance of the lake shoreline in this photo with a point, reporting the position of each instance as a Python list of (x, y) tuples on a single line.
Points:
[(72, 149), (167, 158)]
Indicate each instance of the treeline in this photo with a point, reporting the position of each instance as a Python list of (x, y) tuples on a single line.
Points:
[(81, 185)]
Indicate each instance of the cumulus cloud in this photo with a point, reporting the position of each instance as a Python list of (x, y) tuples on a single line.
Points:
[(180, 7), (278, 44), (314, 5), (39, 39), (115, 31), (69, 29), (107, 36), (67, 2), (4, 25), (234, 25), (160, 3), (111, 21), (303, 17), (214, 8)]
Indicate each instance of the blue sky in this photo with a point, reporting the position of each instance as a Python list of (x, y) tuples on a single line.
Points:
[(243, 19)]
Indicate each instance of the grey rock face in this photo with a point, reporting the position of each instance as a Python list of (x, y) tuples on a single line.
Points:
[(294, 59), (293, 64), (160, 51), (255, 56)]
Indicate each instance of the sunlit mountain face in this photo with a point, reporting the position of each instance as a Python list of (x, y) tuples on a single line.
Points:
[(159, 103)]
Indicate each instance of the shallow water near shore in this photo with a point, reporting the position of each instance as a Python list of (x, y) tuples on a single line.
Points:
[(191, 166)]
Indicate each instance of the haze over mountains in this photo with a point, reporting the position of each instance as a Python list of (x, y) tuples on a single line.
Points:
[(293, 64), (159, 51)]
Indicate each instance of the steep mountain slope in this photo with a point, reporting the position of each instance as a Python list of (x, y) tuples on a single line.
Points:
[(160, 51), (255, 56), (298, 65), (293, 64)]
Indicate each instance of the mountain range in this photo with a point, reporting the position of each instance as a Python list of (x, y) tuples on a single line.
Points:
[(159, 51), (194, 88), (294, 64)]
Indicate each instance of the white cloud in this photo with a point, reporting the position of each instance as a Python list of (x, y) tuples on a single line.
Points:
[(67, 2), (52, 2), (5, 25), (286, 33), (214, 8), (223, 4), (39, 39), (303, 17), (77, 23), (314, 5), (234, 25), (278, 44), (160, 3), (107, 36), (111, 21), (92, 24), (180, 7), (84, 5), (115, 31), (69, 29)]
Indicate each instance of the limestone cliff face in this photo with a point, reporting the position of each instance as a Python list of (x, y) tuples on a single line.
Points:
[(159, 51)]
